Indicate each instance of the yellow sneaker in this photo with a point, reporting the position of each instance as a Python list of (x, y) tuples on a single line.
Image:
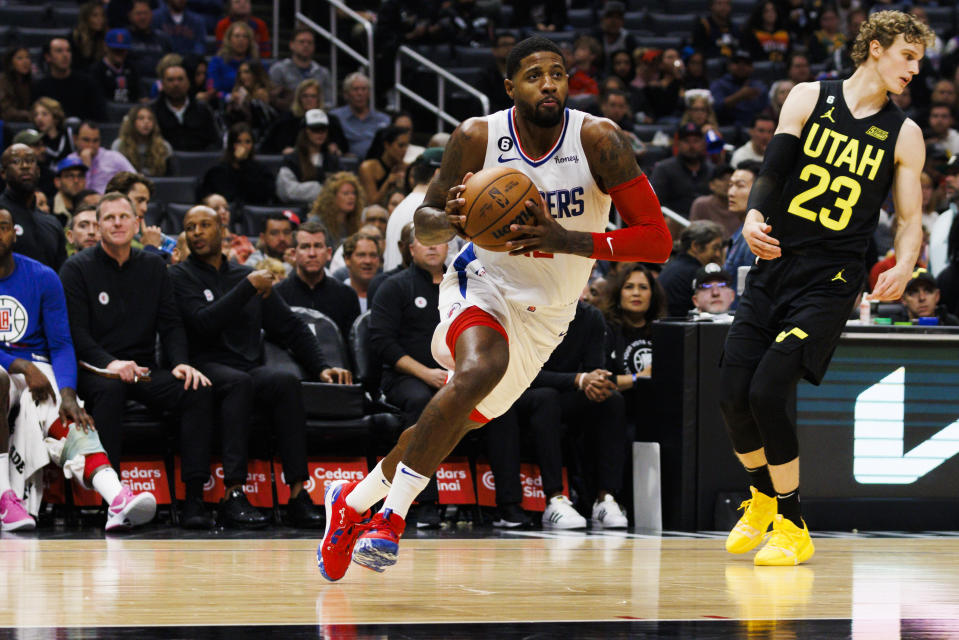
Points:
[(749, 531), (788, 545)]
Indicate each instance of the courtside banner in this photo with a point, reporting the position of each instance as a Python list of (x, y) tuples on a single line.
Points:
[(455, 482), (146, 475), (322, 472), (258, 487), (530, 480)]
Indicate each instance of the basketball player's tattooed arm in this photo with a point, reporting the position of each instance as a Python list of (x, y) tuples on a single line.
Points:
[(907, 197), (440, 217)]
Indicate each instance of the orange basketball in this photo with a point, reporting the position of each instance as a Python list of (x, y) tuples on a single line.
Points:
[(495, 199)]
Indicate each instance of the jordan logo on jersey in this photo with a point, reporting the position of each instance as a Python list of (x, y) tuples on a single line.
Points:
[(838, 276), (828, 115)]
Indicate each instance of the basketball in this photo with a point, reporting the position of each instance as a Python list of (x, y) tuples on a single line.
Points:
[(495, 199)]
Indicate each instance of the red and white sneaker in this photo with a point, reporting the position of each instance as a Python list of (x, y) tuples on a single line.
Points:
[(343, 525), (128, 510), (379, 546), (13, 516)]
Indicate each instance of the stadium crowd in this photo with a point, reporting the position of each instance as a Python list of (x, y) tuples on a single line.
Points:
[(198, 197)]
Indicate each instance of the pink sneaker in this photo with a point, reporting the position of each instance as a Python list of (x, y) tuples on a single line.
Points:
[(12, 514), (128, 510)]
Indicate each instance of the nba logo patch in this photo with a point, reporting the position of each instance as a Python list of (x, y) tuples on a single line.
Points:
[(104, 298), (208, 295)]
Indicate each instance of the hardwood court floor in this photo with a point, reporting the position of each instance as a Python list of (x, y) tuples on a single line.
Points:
[(876, 588)]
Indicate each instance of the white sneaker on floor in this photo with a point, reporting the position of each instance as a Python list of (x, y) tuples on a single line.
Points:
[(560, 514), (607, 514), (128, 510), (13, 516)]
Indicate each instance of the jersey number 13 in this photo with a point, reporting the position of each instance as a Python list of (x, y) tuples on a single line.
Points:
[(827, 217)]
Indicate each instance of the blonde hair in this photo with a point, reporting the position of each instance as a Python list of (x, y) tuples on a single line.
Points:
[(324, 209), (226, 49), (296, 109), (710, 113), (154, 159), (884, 26), (51, 105)]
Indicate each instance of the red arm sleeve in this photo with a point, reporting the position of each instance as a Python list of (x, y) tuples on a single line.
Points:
[(646, 238)]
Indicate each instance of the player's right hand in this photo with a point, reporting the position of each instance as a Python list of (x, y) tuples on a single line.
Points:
[(455, 203), (756, 234)]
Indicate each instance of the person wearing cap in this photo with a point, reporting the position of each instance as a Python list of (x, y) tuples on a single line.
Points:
[(290, 72), (184, 29), (921, 299), (118, 80), (611, 35), (737, 95), (239, 177), (71, 179), (34, 139), (304, 169), (713, 290), (77, 92), (682, 178), (700, 243)]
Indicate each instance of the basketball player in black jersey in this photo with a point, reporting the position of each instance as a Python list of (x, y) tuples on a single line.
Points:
[(839, 148)]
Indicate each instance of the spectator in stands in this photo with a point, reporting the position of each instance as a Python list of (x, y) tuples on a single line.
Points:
[(699, 110), (494, 73), (611, 35), (237, 47), (737, 95), (276, 240), (714, 291), (358, 118), (119, 299), (41, 236), (715, 206), (663, 94), (15, 85), (241, 11), (289, 73), (201, 85), (765, 35), (225, 332), (282, 135), (740, 184), (401, 328), (249, 101), (614, 105), (948, 278), (34, 139), (188, 125), (364, 258), (384, 167), (679, 179), (940, 129), (544, 16), (700, 243), (102, 164), (403, 248), (695, 73), (798, 68), (304, 169), (117, 79), (583, 396), (421, 173), (76, 92), (181, 251), (236, 246), (377, 216), (183, 29), (921, 299), (83, 231), (777, 96), (147, 45), (760, 133), (239, 177), (623, 68), (715, 34), (309, 286), (828, 39), (70, 180), (635, 299), (140, 189), (42, 203), (339, 205), (87, 38), (140, 142), (584, 70)]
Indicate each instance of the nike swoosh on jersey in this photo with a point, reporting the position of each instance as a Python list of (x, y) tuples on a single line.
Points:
[(502, 159)]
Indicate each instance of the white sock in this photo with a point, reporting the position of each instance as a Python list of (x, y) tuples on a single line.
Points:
[(4, 473), (407, 484), (107, 484), (370, 490)]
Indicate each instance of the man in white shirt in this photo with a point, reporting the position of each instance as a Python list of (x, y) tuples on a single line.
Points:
[(759, 136)]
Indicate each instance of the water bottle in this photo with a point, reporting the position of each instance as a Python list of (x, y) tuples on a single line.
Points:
[(865, 311)]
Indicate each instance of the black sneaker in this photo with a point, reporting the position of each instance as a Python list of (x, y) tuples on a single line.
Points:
[(429, 515), (511, 516), (236, 512), (303, 514), (195, 515)]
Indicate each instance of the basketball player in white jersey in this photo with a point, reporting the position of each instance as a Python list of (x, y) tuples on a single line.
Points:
[(502, 314)]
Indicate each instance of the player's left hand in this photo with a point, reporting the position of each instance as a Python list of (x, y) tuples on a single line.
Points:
[(191, 377), (71, 411), (336, 375), (891, 284), (546, 235)]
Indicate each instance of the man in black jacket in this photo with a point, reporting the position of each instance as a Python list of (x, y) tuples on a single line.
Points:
[(309, 286), (76, 92), (188, 125), (225, 307), (39, 235), (118, 300), (701, 243)]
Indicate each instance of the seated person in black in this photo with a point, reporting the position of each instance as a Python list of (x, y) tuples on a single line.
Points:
[(225, 308), (239, 177), (921, 300), (701, 243)]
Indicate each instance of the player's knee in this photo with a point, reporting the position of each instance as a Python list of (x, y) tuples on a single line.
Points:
[(476, 376), (734, 387), (4, 384)]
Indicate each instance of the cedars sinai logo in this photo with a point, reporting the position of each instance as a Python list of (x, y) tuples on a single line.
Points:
[(138, 480)]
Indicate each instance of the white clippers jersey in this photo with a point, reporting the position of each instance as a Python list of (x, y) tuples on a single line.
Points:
[(573, 199)]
